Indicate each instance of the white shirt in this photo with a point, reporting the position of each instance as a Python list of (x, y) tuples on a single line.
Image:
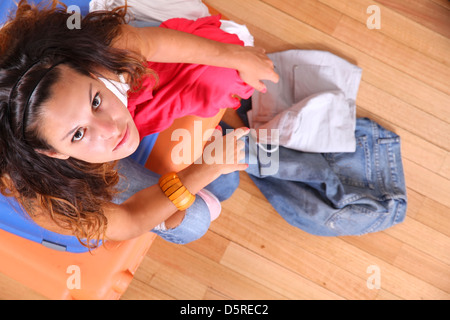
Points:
[(313, 105)]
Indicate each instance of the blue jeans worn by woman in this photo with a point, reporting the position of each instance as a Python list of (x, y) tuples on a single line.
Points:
[(135, 177)]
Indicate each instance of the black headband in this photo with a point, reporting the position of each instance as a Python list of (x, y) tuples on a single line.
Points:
[(32, 91)]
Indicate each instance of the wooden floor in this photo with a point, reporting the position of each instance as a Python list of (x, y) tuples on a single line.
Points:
[(250, 252)]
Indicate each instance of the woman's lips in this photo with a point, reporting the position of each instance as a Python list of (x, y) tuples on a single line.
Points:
[(124, 139)]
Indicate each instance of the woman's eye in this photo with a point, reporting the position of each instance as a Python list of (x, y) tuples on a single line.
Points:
[(78, 135), (97, 101)]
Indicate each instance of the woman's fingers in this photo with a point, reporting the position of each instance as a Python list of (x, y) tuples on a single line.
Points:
[(256, 67), (227, 151)]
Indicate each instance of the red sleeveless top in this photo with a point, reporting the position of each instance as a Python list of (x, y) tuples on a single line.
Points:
[(187, 89)]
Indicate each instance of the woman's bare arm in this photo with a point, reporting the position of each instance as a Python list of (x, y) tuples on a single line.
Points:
[(149, 207), (166, 45)]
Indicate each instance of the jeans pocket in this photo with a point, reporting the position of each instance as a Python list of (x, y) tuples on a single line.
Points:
[(389, 171), (353, 168), (355, 220)]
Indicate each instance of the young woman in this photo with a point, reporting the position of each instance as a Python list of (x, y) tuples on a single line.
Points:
[(61, 128)]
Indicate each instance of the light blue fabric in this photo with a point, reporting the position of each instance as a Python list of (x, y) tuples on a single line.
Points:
[(197, 220), (145, 148)]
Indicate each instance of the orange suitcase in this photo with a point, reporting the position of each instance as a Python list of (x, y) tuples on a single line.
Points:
[(105, 273)]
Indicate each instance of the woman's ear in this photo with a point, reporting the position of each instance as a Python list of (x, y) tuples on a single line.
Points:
[(53, 154)]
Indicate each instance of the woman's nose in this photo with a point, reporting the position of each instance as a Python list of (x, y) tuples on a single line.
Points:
[(107, 128)]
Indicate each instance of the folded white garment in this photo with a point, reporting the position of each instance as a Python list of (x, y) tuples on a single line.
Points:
[(312, 106), (318, 123)]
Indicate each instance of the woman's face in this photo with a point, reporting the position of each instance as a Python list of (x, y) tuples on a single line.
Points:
[(86, 121)]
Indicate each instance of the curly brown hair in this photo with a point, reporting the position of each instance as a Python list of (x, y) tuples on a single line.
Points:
[(32, 44)]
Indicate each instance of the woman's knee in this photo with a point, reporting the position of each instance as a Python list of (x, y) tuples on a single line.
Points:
[(188, 226)]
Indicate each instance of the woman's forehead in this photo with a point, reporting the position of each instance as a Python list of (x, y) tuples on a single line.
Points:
[(69, 94), (69, 73)]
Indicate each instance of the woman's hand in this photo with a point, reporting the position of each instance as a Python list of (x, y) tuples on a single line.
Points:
[(221, 155), (255, 66), (227, 152)]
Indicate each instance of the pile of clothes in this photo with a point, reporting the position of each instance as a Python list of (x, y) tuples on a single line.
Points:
[(327, 172)]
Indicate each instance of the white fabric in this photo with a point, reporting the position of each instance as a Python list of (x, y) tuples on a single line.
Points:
[(120, 89), (161, 227), (312, 106), (156, 10), (162, 10), (238, 29)]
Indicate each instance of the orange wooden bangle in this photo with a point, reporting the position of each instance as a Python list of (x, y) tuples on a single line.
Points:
[(181, 197), (174, 189), (183, 201), (177, 194), (167, 177), (168, 184), (188, 204)]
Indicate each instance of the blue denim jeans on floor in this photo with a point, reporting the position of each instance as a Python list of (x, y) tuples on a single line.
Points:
[(337, 194)]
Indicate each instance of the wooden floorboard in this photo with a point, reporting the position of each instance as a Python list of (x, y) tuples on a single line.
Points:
[(250, 252)]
